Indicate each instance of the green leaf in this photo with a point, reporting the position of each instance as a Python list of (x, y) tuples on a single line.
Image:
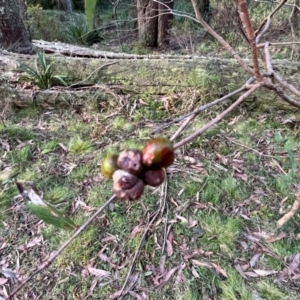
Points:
[(45, 151), (50, 215), (60, 78), (45, 211)]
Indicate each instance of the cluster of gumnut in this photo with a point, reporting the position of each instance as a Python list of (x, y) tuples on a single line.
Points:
[(132, 169)]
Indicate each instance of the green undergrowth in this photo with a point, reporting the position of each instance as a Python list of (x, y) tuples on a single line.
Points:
[(226, 185)]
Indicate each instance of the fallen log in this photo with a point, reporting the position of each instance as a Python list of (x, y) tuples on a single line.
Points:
[(87, 70)]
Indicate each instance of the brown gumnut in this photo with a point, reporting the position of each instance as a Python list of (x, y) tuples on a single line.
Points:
[(133, 193), (158, 152), (131, 161), (123, 180), (154, 177)]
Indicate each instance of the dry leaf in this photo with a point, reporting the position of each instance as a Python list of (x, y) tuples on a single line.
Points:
[(136, 295), (276, 238), (98, 272), (169, 274), (240, 270), (212, 266), (264, 273), (243, 176), (169, 248), (251, 274), (162, 262), (3, 281), (195, 273), (8, 273), (293, 266), (254, 259), (33, 242)]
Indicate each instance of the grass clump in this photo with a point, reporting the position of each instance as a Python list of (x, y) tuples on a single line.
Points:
[(78, 146), (221, 233), (41, 73)]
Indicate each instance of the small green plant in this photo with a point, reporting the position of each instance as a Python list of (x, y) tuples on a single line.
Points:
[(42, 74), (78, 32), (79, 146)]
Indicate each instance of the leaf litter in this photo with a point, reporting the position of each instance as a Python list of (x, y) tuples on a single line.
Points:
[(187, 255)]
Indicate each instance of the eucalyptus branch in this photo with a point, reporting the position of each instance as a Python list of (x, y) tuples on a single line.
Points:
[(52, 257)]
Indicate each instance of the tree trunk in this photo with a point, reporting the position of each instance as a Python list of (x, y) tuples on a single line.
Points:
[(13, 34), (148, 21), (164, 19)]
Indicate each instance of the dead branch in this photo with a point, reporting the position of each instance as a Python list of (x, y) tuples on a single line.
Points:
[(292, 212), (182, 127), (280, 92), (244, 16)]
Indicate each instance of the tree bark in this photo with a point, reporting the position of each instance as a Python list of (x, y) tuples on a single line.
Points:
[(13, 34), (164, 19), (148, 21)]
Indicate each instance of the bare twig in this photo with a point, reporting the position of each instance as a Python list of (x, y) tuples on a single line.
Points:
[(97, 70), (263, 31), (220, 39), (270, 16), (277, 44), (49, 261), (244, 16), (201, 108), (286, 84), (159, 211), (268, 60), (218, 118), (117, 23), (182, 127), (292, 29), (280, 92), (292, 212)]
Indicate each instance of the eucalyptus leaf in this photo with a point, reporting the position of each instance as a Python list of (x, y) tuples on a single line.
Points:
[(43, 210)]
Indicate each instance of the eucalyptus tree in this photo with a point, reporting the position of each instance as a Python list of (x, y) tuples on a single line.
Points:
[(13, 34)]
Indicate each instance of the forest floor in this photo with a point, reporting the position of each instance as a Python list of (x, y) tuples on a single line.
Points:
[(216, 236)]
